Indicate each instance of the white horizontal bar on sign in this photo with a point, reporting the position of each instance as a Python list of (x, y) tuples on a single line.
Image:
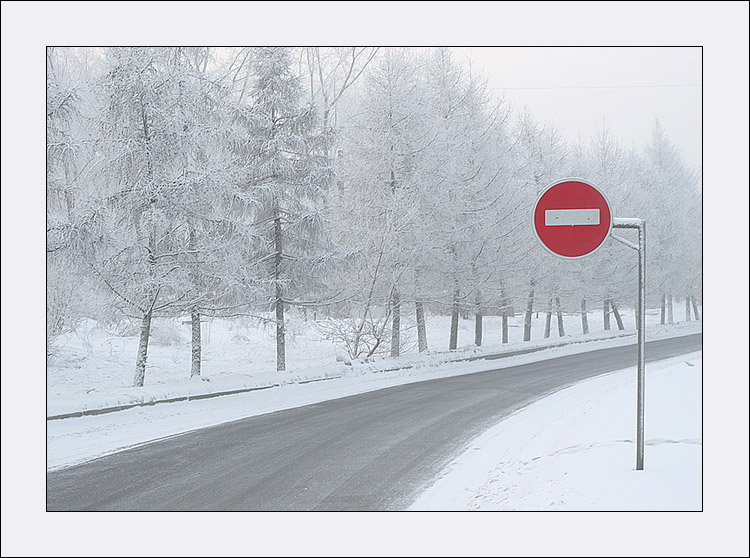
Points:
[(570, 217)]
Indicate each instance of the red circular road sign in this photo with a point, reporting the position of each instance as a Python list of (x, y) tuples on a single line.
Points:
[(572, 218)]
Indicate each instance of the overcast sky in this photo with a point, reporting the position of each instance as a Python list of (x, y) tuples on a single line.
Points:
[(581, 89)]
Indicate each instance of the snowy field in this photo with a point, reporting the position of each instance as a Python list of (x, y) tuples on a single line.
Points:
[(93, 367), (575, 450), (90, 373)]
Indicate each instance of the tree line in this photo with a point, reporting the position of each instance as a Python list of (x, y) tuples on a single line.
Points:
[(363, 184)]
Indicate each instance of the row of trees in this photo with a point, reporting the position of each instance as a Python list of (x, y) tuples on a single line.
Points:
[(365, 183)]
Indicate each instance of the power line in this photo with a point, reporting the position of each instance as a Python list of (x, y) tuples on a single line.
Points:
[(602, 86)]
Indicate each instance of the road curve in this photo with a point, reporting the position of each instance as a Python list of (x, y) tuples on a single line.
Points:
[(372, 451)]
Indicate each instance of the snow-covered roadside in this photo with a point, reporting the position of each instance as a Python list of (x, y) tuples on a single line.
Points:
[(575, 450), (78, 388), (78, 439), (91, 401)]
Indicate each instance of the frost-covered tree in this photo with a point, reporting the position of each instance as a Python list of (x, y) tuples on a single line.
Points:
[(428, 185), (607, 275), (62, 149), (285, 179), (381, 175), (69, 290), (148, 183), (331, 72), (471, 188), (541, 156), (61, 108), (692, 241), (670, 194), (201, 196)]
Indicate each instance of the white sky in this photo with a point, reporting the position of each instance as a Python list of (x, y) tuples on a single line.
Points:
[(581, 88)]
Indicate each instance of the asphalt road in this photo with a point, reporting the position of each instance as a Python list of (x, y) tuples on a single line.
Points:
[(372, 451)]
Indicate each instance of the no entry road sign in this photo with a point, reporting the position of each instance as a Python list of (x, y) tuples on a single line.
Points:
[(572, 218)]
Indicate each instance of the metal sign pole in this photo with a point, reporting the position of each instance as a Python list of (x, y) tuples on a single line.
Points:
[(572, 218), (641, 323)]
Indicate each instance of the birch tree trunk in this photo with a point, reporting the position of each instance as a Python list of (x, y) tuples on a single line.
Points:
[(195, 316), (616, 312), (195, 321), (140, 363), (395, 323), (527, 318), (419, 310), (663, 309), (548, 320), (584, 317), (695, 309), (670, 310), (478, 321), (687, 309), (605, 310), (279, 299), (505, 320), (560, 326), (453, 342), (421, 326)]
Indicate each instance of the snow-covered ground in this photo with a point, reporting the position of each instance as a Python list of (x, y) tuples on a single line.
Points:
[(571, 451), (77, 439), (91, 372), (575, 449), (93, 367)]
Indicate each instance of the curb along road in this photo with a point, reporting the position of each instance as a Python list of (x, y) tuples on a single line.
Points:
[(489, 356)]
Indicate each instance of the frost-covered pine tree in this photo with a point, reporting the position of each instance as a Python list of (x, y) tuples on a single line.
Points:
[(201, 193), (692, 241), (285, 179), (149, 173), (72, 294), (62, 157), (489, 213), (383, 170), (331, 72), (540, 157), (670, 194), (608, 274), (471, 186)]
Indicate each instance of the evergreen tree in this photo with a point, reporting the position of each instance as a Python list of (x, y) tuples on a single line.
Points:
[(286, 175), (62, 157), (150, 181)]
